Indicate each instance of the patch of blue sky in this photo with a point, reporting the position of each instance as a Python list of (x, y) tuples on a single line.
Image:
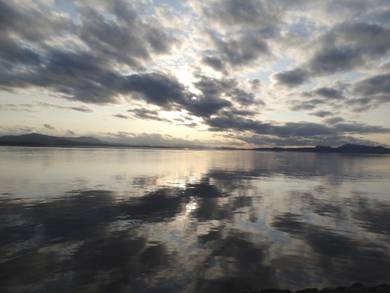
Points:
[(264, 76), (66, 6), (173, 3), (303, 28)]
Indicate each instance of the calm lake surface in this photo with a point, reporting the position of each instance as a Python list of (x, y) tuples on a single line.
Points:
[(145, 220)]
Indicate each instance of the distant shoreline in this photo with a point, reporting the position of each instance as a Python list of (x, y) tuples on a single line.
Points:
[(40, 140), (276, 150), (355, 288)]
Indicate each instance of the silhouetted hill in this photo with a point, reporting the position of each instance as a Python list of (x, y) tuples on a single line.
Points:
[(36, 139), (41, 140), (356, 148), (346, 148)]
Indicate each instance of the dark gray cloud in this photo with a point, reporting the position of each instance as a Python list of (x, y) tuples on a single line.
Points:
[(296, 130), (376, 85), (213, 97), (239, 51), (239, 31), (22, 21), (84, 77), (78, 76), (12, 54), (48, 126), (206, 106), (222, 123), (233, 113), (320, 97), (333, 60), (334, 120), (308, 104), (345, 47), (329, 93), (121, 116), (235, 13), (214, 62), (128, 38), (155, 88), (244, 98), (292, 77), (368, 93), (359, 96), (322, 113), (217, 88), (119, 35), (146, 114), (359, 128)]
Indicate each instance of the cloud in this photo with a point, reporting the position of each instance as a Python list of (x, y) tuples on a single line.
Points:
[(371, 92), (334, 120), (309, 104), (214, 62), (48, 126), (239, 31), (84, 77), (329, 140), (375, 85), (218, 95), (154, 139), (333, 60), (235, 13), (129, 38), (22, 21), (332, 97), (34, 107), (121, 116), (118, 36), (237, 51), (81, 108), (291, 129), (155, 88), (16, 107), (346, 46), (146, 114), (360, 128), (322, 114), (292, 77), (120, 52), (329, 93)]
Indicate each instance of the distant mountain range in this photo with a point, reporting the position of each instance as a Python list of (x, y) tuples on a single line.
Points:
[(345, 149), (36, 139), (41, 140)]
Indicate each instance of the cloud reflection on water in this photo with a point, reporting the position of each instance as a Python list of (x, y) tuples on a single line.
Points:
[(228, 231)]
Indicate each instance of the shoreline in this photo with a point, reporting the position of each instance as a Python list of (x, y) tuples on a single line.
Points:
[(355, 288)]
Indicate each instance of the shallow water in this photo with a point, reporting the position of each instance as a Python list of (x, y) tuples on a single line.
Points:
[(144, 220)]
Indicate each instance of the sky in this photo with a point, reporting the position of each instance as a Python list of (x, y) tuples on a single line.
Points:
[(192, 72)]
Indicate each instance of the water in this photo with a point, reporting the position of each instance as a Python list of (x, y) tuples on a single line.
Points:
[(144, 220)]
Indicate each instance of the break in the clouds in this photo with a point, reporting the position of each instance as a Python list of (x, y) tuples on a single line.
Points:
[(246, 72)]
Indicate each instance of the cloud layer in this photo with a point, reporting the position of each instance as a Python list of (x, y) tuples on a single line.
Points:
[(243, 63)]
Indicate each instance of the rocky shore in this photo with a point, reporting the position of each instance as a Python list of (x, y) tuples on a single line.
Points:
[(356, 288)]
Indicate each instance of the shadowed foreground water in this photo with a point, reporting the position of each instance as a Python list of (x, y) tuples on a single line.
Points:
[(107, 220)]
